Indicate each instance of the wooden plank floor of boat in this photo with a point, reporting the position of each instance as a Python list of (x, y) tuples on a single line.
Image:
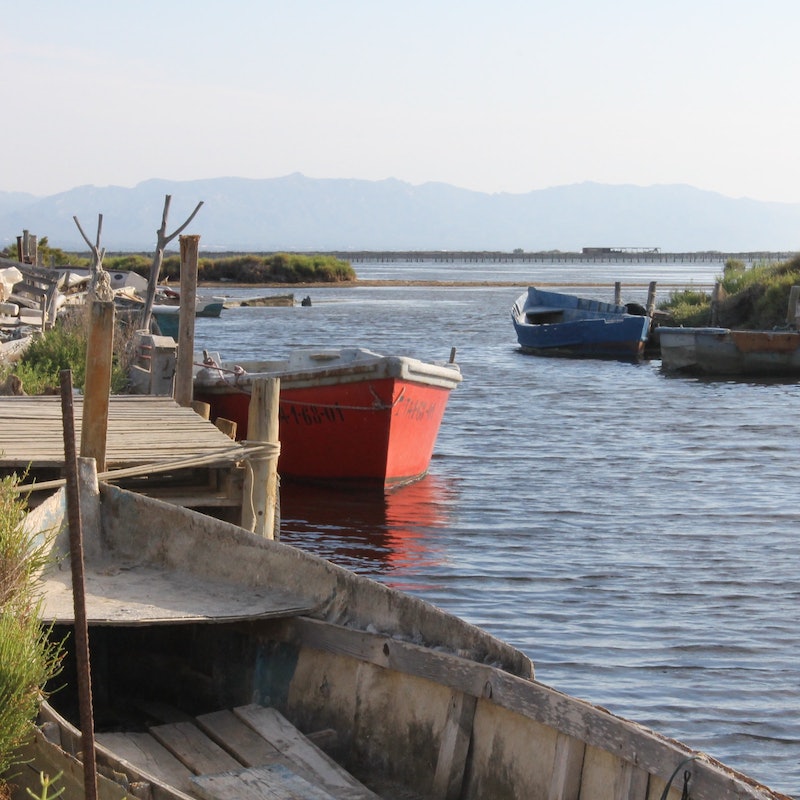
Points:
[(251, 753)]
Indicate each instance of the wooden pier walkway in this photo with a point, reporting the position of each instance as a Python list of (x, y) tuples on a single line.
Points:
[(165, 450)]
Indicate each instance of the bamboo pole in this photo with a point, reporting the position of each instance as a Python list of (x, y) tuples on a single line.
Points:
[(261, 482), (190, 246), (97, 389)]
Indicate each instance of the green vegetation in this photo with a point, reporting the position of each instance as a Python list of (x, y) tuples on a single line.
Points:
[(251, 269), (751, 299), (64, 347), (245, 268), (28, 659)]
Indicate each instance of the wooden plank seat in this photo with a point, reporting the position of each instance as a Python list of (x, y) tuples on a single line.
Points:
[(251, 753)]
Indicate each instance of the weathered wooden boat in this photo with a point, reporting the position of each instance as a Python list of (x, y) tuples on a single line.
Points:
[(167, 314), (730, 353), (556, 324), (225, 665), (347, 415)]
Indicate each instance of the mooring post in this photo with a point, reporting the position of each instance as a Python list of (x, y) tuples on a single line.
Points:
[(97, 386), (617, 293), (184, 377), (81, 626), (791, 311), (261, 482), (716, 295), (651, 299)]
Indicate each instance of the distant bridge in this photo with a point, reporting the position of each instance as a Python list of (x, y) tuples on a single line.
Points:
[(595, 255)]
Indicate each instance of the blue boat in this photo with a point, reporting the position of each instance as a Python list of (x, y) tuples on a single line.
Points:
[(556, 324)]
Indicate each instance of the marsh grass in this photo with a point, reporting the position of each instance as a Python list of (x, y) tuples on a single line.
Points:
[(752, 299)]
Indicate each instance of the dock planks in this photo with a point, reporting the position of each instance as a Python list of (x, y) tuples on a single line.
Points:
[(141, 430)]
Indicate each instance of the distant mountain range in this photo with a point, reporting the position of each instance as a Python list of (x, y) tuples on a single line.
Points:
[(296, 213)]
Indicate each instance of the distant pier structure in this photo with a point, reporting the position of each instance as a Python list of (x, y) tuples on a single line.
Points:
[(586, 255)]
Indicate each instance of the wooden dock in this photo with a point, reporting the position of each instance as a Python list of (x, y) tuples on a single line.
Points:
[(153, 446)]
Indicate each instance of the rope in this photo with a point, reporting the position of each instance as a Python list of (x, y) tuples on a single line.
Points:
[(686, 777), (249, 450)]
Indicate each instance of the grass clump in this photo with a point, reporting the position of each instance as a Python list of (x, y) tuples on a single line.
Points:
[(64, 347), (28, 659), (750, 299)]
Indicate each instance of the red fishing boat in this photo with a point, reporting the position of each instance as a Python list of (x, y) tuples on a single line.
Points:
[(346, 415)]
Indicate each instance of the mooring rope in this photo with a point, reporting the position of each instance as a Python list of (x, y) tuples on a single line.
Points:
[(247, 451), (686, 778)]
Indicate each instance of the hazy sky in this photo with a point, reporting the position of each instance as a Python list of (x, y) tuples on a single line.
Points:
[(496, 96)]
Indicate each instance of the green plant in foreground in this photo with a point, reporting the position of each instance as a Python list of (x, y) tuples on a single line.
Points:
[(47, 783), (28, 659)]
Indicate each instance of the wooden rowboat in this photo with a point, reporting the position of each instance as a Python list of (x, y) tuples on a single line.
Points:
[(229, 666), (555, 324), (348, 416)]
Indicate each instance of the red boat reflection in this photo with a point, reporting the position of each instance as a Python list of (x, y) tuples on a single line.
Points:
[(381, 535)]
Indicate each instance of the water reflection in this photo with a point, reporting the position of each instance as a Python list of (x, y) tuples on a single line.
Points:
[(390, 536)]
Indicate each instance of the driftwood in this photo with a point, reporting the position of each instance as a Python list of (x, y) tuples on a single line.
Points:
[(158, 258)]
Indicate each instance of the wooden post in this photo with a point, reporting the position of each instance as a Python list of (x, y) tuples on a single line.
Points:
[(715, 296), (651, 299), (97, 389), (617, 293), (81, 627), (791, 311), (184, 379), (261, 482)]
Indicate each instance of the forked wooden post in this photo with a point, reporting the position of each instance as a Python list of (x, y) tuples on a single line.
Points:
[(261, 483), (97, 388), (190, 246)]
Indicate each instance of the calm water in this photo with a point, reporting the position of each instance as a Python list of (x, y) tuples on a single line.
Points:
[(636, 535)]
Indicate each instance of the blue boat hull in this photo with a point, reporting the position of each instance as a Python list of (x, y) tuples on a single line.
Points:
[(556, 324)]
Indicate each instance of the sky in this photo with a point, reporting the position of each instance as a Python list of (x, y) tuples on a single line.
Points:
[(493, 96)]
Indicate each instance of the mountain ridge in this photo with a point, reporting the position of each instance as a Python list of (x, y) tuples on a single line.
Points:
[(301, 214)]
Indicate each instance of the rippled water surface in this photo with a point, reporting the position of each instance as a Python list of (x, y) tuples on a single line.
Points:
[(637, 535)]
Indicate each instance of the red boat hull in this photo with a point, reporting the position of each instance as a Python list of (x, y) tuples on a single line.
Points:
[(377, 431)]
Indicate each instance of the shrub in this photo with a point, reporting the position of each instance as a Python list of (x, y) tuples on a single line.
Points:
[(688, 307), (754, 298), (64, 347), (28, 659)]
